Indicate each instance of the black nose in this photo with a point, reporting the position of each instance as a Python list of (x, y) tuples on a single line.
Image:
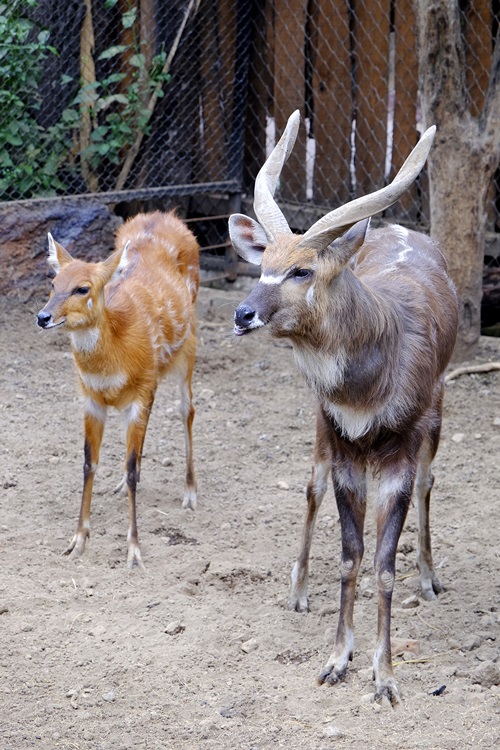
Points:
[(43, 319), (243, 316)]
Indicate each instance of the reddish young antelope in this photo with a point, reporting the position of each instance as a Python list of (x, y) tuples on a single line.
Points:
[(131, 320), (372, 316)]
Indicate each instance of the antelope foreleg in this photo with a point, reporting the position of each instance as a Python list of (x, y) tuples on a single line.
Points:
[(392, 506), (350, 494), (94, 419)]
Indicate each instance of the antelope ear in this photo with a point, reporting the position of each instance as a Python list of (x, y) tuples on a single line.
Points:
[(248, 237), (343, 248), (114, 265), (58, 256)]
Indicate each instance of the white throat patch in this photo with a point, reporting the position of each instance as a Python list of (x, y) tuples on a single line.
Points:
[(85, 341)]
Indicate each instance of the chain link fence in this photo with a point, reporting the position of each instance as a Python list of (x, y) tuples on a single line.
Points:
[(164, 102)]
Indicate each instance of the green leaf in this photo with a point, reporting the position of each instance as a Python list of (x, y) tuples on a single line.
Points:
[(128, 18), (117, 49), (70, 116), (138, 61), (14, 140), (43, 36), (113, 78), (105, 101)]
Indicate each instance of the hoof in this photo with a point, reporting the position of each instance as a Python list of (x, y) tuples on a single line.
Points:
[(76, 546), (331, 676), (134, 558), (389, 692), (190, 500)]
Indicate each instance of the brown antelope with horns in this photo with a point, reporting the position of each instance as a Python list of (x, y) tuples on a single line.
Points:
[(131, 320), (372, 317)]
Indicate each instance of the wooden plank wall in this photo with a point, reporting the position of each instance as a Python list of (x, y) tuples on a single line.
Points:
[(345, 62), (332, 104)]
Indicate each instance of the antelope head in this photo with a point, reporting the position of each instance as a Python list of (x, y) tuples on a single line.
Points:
[(298, 269), (77, 294)]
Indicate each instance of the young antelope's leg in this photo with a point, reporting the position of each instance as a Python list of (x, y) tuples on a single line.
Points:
[(187, 412), (138, 420), (392, 506), (424, 481), (350, 492), (94, 420), (121, 487)]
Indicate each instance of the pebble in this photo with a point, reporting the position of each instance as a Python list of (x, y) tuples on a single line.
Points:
[(206, 394), (486, 674), (400, 646), (175, 627), (486, 653), (471, 642), (496, 422), (333, 732), (54, 460), (167, 462), (109, 697), (250, 645), (97, 631), (283, 485), (458, 437), (366, 587), (411, 602)]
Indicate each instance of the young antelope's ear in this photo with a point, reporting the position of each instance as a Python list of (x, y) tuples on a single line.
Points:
[(248, 237), (114, 265), (343, 248), (58, 256)]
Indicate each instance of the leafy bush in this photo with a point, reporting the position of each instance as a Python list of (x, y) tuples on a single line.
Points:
[(93, 133), (30, 156)]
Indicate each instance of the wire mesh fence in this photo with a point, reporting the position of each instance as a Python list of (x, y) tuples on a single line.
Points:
[(106, 95), (144, 99)]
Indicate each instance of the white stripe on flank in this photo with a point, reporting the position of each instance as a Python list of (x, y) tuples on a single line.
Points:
[(103, 382)]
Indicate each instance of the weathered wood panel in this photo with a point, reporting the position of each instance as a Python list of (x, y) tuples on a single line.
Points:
[(403, 95), (478, 52), (289, 66), (260, 93), (332, 100), (217, 72), (371, 50)]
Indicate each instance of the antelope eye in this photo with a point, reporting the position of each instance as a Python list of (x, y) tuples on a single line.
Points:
[(301, 273), (82, 290)]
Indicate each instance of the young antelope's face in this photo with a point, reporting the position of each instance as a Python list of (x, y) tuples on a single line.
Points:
[(72, 300), (284, 293)]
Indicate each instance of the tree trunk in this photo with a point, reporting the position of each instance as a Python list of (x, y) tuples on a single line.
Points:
[(458, 188), (463, 159)]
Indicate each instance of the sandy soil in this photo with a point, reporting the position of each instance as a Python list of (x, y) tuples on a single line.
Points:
[(201, 650)]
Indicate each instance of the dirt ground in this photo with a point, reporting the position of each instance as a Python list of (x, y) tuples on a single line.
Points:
[(200, 651)]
